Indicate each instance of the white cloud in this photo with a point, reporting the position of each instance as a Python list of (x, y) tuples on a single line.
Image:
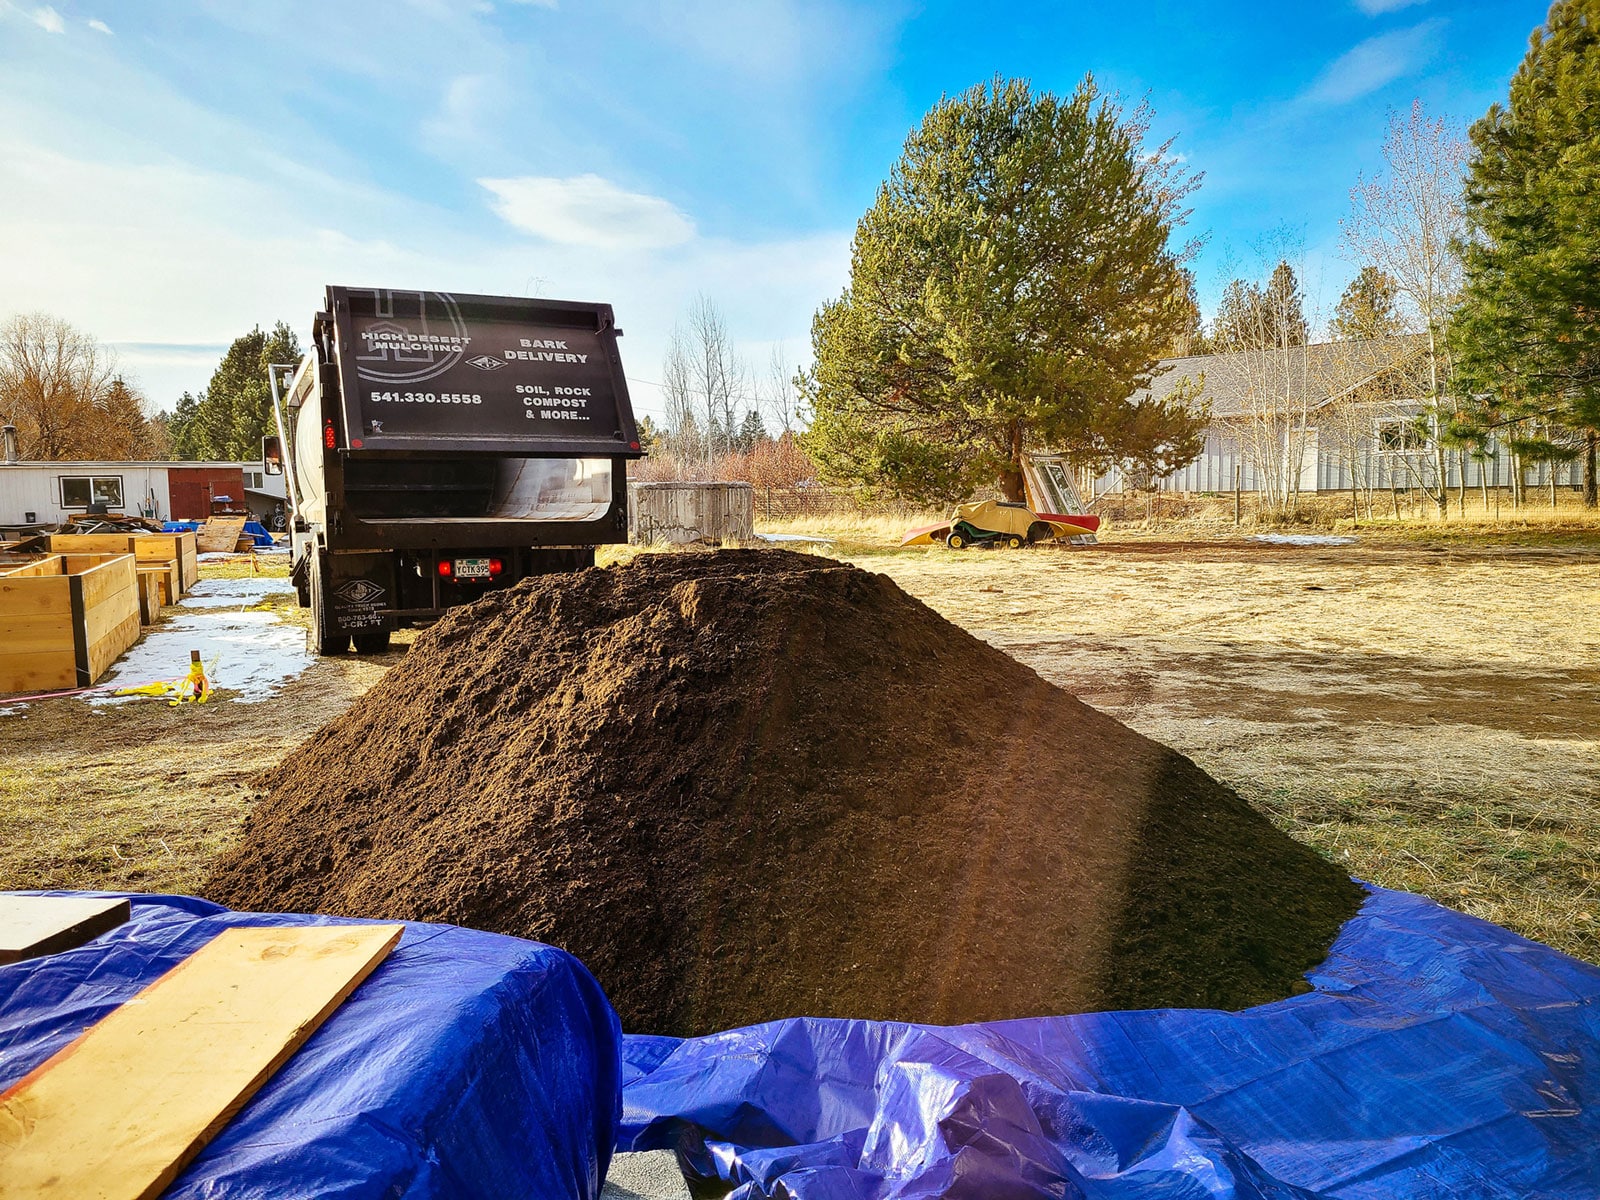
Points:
[(1375, 63), (168, 261), (536, 3), (49, 20), (99, 27), (1375, 7), (587, 210)]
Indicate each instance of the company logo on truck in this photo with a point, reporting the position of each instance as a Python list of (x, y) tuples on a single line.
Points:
[(359, 592), (426, 343), (486, 362)]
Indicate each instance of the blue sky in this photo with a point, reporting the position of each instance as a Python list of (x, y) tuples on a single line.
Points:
[(173, 172)]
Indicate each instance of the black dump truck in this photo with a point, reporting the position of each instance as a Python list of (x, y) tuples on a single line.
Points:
[(437, 446)]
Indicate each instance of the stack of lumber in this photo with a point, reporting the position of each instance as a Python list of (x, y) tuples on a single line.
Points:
[(65, 619)]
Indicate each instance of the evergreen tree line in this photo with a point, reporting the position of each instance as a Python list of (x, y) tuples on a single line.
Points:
[(231, 415)]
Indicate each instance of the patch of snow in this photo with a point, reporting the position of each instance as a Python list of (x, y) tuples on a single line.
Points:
[(1302, 539), (236, 593), (251, 653), (13, 710)]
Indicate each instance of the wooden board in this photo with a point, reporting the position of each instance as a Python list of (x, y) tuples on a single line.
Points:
[(166, 573), (51, 565), (105, 649), (188, 563), (151, 584), (35, 925), (219, 534), (146, 547), (117, 1114), (37, 636), (92, 543)]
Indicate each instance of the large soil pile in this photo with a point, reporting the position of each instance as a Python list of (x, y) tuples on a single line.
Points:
[(755, 784)]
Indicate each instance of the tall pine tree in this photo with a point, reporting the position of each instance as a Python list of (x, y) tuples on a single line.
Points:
[(1013, 285), (1368, 307), (235, 411), (1529, 321)]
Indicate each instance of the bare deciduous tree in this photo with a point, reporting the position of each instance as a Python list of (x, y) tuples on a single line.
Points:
[(61, 390), (707, 385), (779, 393), (1408, 222), (1265, 326)]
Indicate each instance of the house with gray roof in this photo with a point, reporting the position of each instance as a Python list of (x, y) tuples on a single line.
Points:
[(1327, 417)]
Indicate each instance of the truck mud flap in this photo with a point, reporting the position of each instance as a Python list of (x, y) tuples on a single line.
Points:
[(360, 591)]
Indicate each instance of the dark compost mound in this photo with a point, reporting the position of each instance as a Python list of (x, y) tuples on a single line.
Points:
[(754, 784)]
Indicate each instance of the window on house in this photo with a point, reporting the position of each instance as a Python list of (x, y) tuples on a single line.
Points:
[(254, 479), (80, 491), (1399, 437)]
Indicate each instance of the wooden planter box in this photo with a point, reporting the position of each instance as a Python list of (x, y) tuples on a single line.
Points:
[(150, 549), (65, 619)]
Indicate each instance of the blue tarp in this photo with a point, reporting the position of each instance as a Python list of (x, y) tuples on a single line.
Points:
[(255, 529), (467, 1065), (1439, 1056)]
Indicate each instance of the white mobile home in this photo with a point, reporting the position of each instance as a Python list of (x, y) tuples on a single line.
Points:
[(48, 493)]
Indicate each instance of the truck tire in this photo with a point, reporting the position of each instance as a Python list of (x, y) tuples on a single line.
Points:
[(321, 638), (374, 641)]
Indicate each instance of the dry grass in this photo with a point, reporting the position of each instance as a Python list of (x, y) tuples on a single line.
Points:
[(139, 796), (1424, 711), (1428, 716), (1212, 515)]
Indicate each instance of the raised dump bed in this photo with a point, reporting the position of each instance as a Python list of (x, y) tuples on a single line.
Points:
[(65, 619), (150, 549)]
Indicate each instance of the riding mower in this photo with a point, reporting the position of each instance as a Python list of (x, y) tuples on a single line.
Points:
[(1000, 523)]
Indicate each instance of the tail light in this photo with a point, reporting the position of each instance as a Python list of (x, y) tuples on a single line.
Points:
[(445, 568), (330, 439), (495, 567)]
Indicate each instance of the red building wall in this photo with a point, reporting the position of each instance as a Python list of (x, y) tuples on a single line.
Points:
[(191, 490)]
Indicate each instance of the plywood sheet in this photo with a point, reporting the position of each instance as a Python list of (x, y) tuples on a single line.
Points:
[(219, 534), (118, 1113), (35, 925)]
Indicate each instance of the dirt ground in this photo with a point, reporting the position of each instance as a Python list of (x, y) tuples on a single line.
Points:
[(1429, 715), (139, 795), (1426, 713)]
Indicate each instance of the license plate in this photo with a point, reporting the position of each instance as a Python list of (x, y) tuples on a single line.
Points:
[(472, 568)]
